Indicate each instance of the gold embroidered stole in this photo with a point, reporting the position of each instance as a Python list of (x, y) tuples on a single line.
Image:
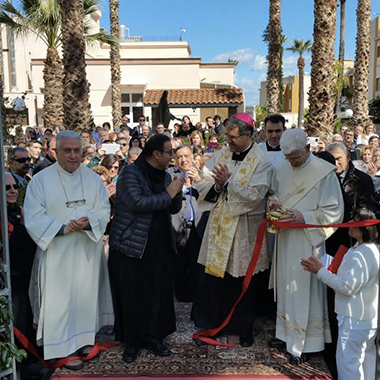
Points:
[(222, 226)]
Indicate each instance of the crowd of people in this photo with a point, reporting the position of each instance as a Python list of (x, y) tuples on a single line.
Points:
[(115, 225)]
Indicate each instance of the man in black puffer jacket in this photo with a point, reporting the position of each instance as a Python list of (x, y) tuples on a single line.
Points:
[(142, 249)]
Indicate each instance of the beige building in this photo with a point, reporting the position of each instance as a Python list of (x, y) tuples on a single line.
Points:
[(195, 88), (374, 69)]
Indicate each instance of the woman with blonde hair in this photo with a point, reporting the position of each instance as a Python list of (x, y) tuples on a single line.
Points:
[(196, 138), (365, 163)]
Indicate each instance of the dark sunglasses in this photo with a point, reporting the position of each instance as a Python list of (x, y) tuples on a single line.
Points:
[(141, 119), (22, 160), (123, 144), (8, 187)]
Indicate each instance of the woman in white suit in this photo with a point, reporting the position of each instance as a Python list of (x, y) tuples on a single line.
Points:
[(356, 300)]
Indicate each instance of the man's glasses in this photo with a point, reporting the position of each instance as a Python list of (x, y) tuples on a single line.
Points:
[(22, 160), (72, 204), (141, 119), (233, 138), (8, 187), (123, 144)]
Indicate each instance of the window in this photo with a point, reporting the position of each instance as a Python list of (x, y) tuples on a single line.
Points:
[(132, 106)]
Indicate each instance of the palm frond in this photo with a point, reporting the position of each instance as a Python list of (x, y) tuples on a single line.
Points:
[(90, 6), (101, 37)]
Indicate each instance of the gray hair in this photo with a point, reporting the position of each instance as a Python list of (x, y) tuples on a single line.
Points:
[(181, 147), (293, 140), (338, 136), (67, 134), (134, 150), (337, 145)]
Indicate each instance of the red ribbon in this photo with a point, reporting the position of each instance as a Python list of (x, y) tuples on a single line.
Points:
[(61, 362), (206, 335)]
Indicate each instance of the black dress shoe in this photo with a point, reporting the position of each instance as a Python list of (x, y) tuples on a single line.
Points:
[(278, 344), (297, 360), (157, 347), (246, 340), (130, 354)]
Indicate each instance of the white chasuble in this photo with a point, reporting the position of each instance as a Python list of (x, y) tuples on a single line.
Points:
[(314, 190), (234, 219), (69, 290)]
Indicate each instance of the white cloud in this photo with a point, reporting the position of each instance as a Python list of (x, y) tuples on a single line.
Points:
[(250, 87), (259, 63), (244, 56)]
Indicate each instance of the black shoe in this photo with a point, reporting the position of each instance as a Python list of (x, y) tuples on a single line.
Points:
[(157, 347), (297, 360), (278, 344), (130, 354), (246, 340)]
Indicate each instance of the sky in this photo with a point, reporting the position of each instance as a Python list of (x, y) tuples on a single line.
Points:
[(219, 30)]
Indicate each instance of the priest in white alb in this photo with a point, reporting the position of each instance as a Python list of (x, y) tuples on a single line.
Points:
[(66, 213), (305, 190), (233, 186)]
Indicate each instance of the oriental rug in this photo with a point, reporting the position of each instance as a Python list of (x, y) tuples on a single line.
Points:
[(207, 362)]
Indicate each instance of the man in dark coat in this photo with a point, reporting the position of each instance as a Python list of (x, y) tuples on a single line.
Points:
[(358, 190), (142, 250), (50, 158)]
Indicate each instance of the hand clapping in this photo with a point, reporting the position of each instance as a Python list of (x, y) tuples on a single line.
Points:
[(221, 175)]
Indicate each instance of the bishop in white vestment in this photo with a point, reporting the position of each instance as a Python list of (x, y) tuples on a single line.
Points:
[(234, 186), (308, 189), (66, 213)]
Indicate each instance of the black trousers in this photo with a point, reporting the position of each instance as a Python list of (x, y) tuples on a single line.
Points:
[(216, 297)]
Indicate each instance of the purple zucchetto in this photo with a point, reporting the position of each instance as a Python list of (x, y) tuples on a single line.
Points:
[(246, 118)]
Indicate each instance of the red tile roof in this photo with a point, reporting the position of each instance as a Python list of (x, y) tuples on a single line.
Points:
[(209, 96)]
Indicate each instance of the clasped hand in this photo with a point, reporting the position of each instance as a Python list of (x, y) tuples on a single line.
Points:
[(76, 225)]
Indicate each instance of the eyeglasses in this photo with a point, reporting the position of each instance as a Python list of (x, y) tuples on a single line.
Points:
[(72, 204), (22, 160), (233, 138), (141, 119), (8, 187), (169, 152), (123, 144)]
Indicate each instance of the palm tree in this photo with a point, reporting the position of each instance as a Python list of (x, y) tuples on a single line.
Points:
[(361, 79), (341, 49), (300, 47), (43, 18), (274, 55), (321, 94), (115, 65), (76, 89)]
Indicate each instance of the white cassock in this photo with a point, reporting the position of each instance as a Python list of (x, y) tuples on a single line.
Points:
[(69, 289), (275, 157), (244, 202), (314, 190)]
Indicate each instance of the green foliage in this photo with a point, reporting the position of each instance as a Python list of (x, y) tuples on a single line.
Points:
[(12, 119), (261, 114), (306, 115), (300, 46), (8, 350), (340, 82), (43, 18), (338, 123)]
